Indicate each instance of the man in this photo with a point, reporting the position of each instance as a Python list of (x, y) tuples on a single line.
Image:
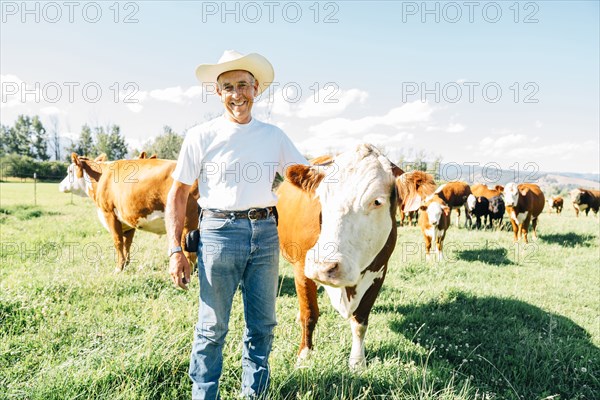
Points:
[(234, 158)]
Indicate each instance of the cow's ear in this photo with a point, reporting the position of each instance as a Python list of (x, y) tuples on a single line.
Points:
[(102, 157), (499, 188), (423, 207), (446, 210), (75, 159), (153, 156), (396, 170), (142, 155), (304, 177), (523, 191)]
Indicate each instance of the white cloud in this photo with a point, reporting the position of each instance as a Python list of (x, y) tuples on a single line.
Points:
[(176, 94), (538, 124), (324, 103), (10, 87), (52, 111), (519, 147), (398, 117), (73, 136), (135, 107), (455, 128)]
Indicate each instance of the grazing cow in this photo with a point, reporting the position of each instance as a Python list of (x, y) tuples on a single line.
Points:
[(143, 155), (555, 203), (434, 220), (414, 185), (524, 203), (478, 207), (129, 195), (479, 189), (337, 226), (496, 211), (455, 195), (585, 200)]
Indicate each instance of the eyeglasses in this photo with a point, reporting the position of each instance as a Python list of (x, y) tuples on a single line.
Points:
[(240, 87)]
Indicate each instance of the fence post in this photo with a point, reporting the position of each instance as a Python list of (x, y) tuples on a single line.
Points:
[(35, 189)]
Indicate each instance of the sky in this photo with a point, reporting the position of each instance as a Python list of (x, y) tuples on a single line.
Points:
[(510, 84)]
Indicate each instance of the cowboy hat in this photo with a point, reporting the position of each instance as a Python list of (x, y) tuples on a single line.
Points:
[(231, 60)]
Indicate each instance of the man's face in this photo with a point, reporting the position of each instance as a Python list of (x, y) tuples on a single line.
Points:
[(237, 90)]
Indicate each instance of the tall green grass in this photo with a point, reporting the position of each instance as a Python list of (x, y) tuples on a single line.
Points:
[(493, 321)]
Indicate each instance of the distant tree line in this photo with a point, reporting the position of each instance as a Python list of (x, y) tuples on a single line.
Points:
[(98, 140), (165, 146), (27, 146), (24, 147)]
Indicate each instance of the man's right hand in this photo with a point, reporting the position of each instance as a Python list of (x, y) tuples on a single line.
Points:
[(179, 269)]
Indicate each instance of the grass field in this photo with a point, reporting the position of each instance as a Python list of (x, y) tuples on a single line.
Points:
[(493, 321)]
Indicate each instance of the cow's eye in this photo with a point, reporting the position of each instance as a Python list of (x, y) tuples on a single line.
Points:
[(377, 203)]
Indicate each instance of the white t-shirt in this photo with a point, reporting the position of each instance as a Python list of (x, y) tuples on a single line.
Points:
[(235, 164)]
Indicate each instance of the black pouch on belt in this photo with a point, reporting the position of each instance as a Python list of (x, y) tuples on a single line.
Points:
[(192, 239)]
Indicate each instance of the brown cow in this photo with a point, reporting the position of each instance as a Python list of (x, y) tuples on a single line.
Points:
[(455, 195), (524, 203), (337, 227), (434, 221), (479, 189), (129, 195), (555, 203), (414, 185), (143, 155)]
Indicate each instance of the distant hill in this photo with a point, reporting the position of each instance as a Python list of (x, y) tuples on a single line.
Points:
[(550, 182)]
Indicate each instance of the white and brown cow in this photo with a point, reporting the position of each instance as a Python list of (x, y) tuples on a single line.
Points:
[(585, 200), (455, 195), (414, 185), (434, 221), (337, 227), (524, 203), (129, 195), (555, 203)]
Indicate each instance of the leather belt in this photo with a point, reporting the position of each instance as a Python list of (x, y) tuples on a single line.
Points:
[(252, 214)]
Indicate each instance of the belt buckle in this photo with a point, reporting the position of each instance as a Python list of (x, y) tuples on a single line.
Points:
[(253, 214)]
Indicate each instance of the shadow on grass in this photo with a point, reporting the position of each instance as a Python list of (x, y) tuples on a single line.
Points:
[(496, 256), (24, 212), (287, 287), (569, 239), (508, 347)]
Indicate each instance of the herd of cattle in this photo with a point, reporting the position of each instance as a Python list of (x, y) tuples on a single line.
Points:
[(337, 220)]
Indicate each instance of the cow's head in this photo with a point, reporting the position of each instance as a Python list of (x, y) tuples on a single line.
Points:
[(356, 191), (471, 202), (497, 205), (77, 180), (412, 188), (512, 192), (580, 196), (435, 208)]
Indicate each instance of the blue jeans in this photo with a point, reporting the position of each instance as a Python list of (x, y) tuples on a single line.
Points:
[(235, 252)]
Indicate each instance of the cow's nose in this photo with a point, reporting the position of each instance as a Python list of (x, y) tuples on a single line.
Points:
[(330, 268)]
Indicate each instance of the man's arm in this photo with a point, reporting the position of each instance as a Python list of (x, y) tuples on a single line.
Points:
[(179, 267)]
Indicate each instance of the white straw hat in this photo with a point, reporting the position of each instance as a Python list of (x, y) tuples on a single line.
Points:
[(231, 60)]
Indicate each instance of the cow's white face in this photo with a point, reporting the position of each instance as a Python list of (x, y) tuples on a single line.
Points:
[(74, 182), (511, 194), (355, 196), (434, 213), (471, 202)]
